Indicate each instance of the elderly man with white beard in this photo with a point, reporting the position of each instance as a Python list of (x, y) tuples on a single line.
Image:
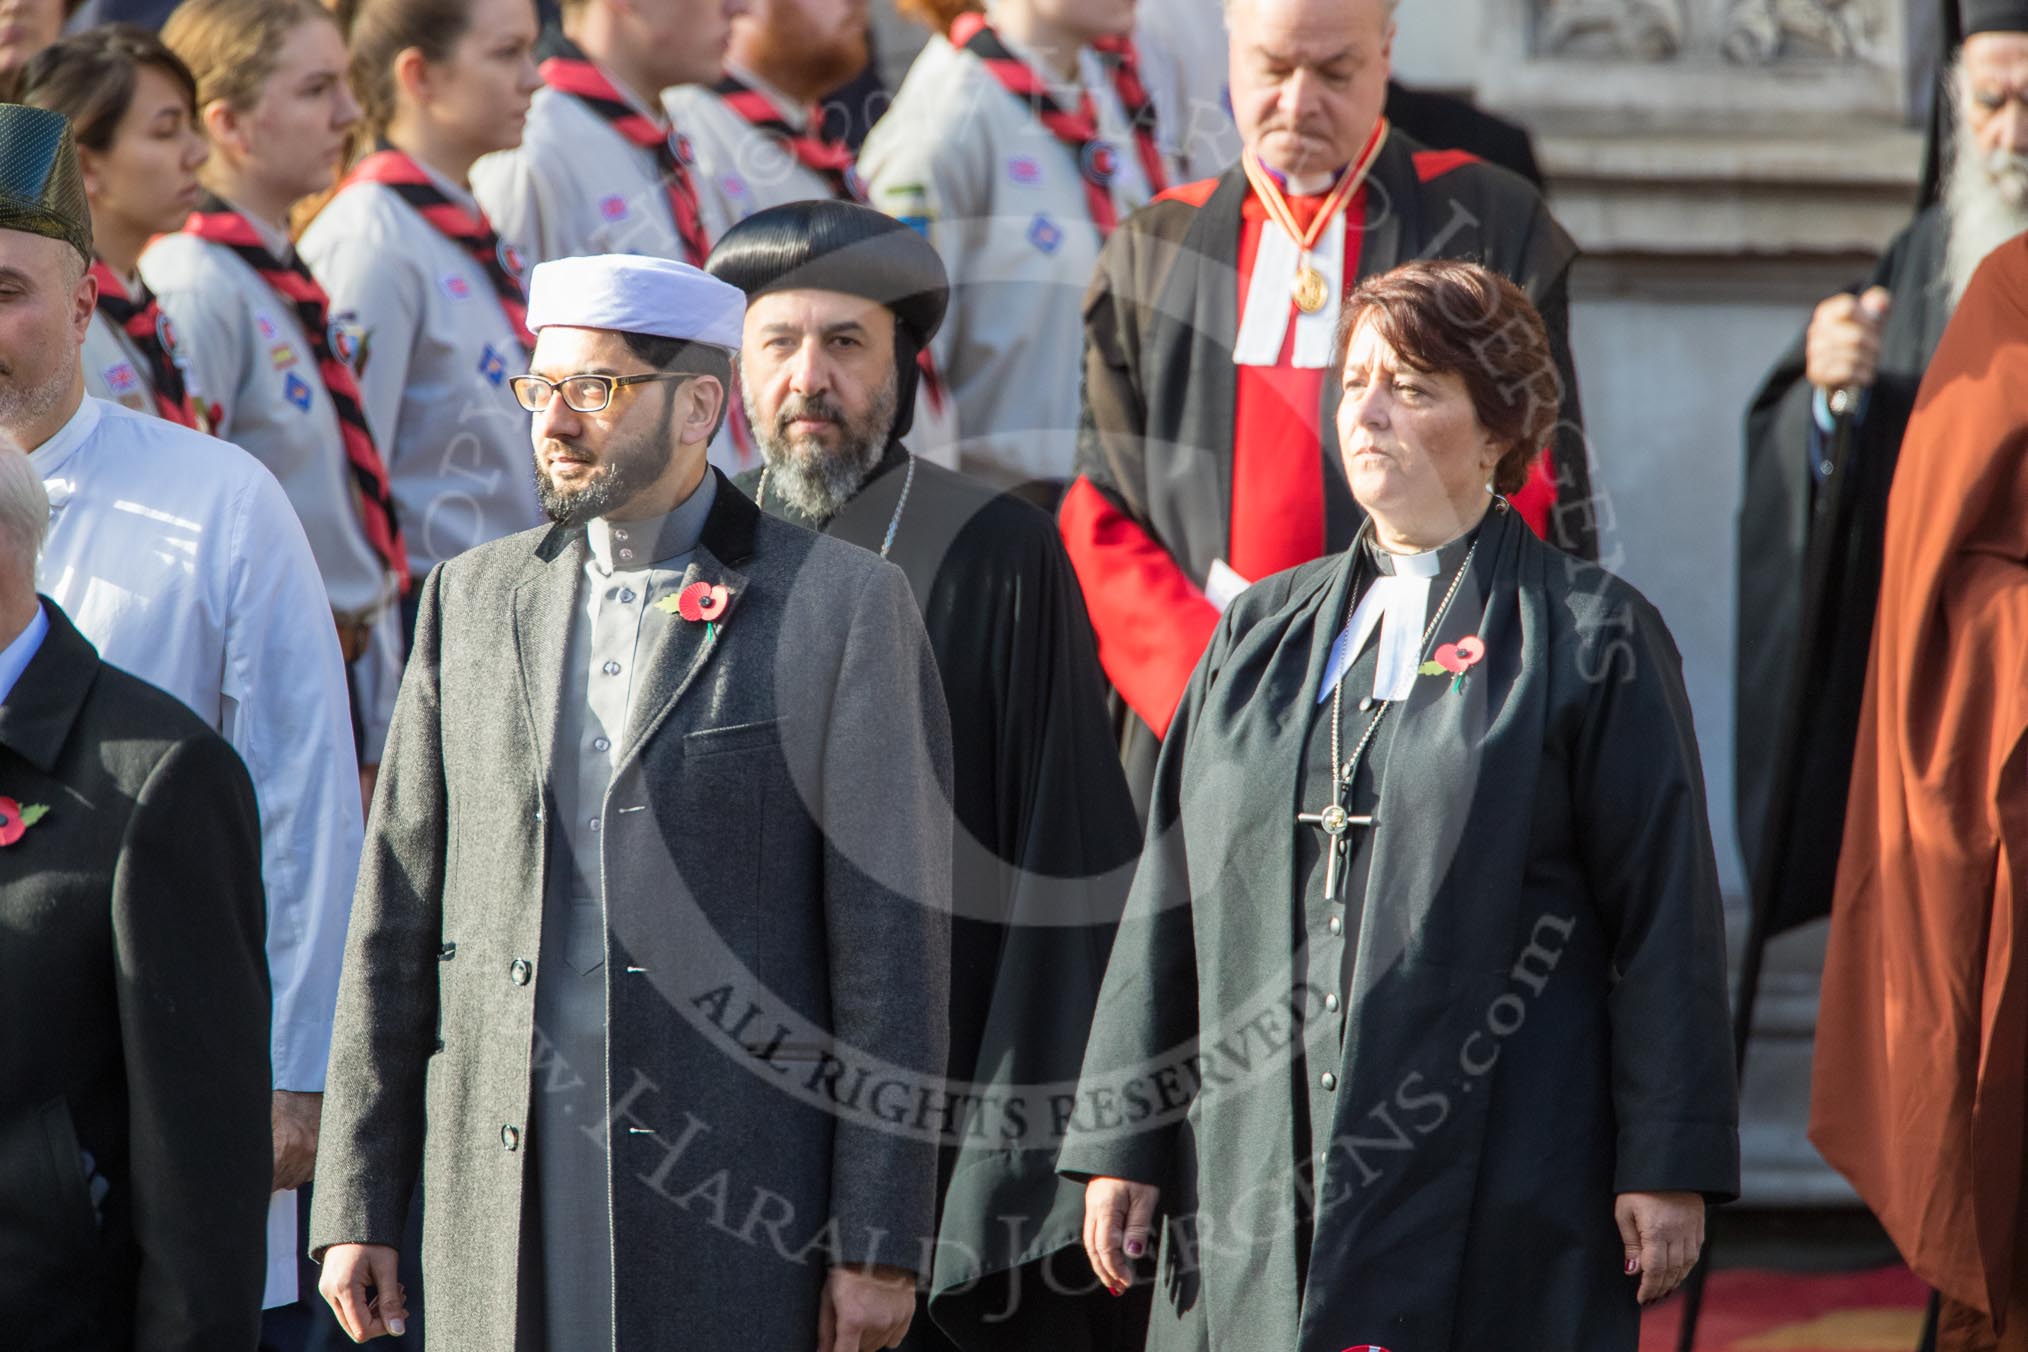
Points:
[(1861, 359)]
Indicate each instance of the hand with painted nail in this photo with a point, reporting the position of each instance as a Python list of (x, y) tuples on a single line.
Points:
[(351, 1271), (1119, 1219), (1662, 1232)]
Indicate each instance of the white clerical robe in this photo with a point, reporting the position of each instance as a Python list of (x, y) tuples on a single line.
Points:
[(180, 558)]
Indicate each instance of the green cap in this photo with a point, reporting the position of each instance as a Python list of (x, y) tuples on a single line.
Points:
[(41, 186)]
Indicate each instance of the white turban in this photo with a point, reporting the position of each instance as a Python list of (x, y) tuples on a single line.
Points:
[(632, 293)]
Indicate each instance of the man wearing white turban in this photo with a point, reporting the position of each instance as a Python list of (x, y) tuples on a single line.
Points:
[(649, 961)]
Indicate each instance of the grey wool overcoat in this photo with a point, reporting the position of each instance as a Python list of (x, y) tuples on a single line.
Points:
[(776, 863)]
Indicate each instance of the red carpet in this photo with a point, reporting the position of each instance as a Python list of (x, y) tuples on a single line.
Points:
[(1753, 1310)]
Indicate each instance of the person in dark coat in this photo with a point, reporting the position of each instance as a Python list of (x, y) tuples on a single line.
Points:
[(135, 1154), (1415, 1030), (649, 961), (1861, 359), (842, 298)]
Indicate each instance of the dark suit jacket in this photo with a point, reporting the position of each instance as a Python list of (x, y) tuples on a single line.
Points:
[(776, 851), (134, 995)]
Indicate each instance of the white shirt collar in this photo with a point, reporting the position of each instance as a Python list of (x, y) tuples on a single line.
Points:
[(49, 457), (276, 242), (15, 657), (459, 195), (797, 115), (1065, 93)]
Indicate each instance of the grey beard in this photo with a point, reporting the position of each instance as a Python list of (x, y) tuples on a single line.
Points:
[(1985, 201), (816, 482), (19, 407)]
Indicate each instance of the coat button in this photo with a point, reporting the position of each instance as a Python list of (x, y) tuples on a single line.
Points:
[(1334, 924), (519, 971), (447, 952), (1331, 1004), (510, 1137), (1328, 1080)]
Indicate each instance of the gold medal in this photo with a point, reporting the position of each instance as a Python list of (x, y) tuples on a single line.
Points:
[(1310, 289)]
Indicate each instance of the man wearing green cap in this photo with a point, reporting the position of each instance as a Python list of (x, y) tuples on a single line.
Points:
[(178, 556)]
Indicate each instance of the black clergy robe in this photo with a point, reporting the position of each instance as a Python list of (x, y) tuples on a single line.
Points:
[(1782, 504), (1043, 856), (1152, 506), (1532, 1015)]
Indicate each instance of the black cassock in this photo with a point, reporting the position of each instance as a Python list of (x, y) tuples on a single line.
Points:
[(1045, 846), (1519, 1013), (1776, 519)]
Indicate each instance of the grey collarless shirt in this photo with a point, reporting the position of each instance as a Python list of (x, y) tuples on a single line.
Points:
[(630, 566)]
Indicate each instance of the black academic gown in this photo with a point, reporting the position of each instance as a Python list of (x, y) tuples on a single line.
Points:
[(1533, 1019), (1782, 502), (1044, 852)]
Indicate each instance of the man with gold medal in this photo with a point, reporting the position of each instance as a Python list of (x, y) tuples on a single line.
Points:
[(1206, 459)]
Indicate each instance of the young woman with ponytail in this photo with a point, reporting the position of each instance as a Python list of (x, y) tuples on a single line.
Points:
[(415, 269), (256, 328)]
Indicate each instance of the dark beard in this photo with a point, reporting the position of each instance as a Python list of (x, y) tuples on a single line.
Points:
[(813, 480), (625, 471)]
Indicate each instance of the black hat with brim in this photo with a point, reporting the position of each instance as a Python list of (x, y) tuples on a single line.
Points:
[(1995, 16), (41, 186), (837, 246)]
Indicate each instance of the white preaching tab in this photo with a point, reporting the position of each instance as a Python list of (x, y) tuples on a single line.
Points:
[(1397, 606), (1270, 300), (1223, 585)]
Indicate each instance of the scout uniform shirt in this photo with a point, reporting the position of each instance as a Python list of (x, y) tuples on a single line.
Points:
[(1003, 200), (246, 349), (576, 187), (435, 351), (755, 170), (616, 624), (116, 369)]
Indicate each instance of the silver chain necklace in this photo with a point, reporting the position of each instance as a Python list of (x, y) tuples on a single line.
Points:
[(893, 522)]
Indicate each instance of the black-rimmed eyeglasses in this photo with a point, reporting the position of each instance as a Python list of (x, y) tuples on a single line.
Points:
[(582, 394)]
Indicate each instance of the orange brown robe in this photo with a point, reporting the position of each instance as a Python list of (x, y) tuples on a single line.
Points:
[(1922, 1039)]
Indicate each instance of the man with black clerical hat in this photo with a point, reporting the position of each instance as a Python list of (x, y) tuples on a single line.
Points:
[(179, 557), (652, 927), (1858, 365), (841, 299)]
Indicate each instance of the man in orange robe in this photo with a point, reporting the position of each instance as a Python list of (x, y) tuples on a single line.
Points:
[(1922, 1039)]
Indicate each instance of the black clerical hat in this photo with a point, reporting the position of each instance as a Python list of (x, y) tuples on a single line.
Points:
[(838, 246), (1995, 16), (41, 186)]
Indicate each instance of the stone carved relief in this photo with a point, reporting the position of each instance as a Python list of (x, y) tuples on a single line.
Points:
[(1644, 30), (1760, 32)]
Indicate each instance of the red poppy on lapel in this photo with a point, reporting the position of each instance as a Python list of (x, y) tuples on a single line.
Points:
[(16, 819)]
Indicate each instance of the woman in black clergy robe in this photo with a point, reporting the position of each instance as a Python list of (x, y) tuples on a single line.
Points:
[(1470, 1085)]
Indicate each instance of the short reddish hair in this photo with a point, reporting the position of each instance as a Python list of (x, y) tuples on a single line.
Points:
[(1446, 317), (937, 14)]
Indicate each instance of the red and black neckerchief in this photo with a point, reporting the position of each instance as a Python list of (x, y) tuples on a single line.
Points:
[(827, 156), (1097, 160), (1139, 105), (568, 71), (220, 224), (465, 226), (149, 330)]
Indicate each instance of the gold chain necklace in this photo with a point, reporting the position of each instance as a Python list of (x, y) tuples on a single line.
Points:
[(1310, 289)]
